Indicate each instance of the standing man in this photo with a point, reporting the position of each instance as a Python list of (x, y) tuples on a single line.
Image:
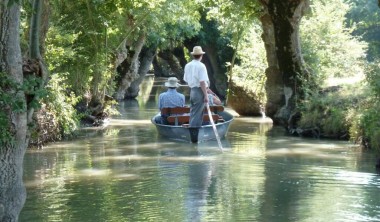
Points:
[(197, 79)]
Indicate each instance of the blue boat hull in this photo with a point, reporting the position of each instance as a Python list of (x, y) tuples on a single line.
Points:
[(205, 132)]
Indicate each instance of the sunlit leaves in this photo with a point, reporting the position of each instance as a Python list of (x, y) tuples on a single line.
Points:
[(233, 15), (61, 104), (328, 47), (250, 71), (172, 22)]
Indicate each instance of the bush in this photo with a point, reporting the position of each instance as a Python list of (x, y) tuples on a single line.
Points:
[(333, 110), (365, 128), (61, 103)]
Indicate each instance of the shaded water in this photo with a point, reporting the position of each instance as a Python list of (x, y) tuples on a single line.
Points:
[(125, 172)]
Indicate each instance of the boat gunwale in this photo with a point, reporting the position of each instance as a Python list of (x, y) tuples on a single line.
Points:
[(181, 126)]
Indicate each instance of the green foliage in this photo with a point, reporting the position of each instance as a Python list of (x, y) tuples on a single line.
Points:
[(330, 50), (170, 22), (332, 111), (234, 16), (79, 40), (83, 35), (364, 16), (61, 103), (250, 71), (238, 27), (370, 127), (12, 2), (373, 77), (33, 88), (110, 109), (366, 127), (62, 56), (328, 47)]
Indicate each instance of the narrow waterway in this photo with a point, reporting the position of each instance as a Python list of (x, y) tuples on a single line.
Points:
[(126, 172)]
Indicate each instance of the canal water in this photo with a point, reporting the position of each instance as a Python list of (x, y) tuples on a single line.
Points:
[(126, 172)]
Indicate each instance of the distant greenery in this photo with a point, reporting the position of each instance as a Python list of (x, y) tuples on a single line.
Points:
[(364, 17), (328, 47)]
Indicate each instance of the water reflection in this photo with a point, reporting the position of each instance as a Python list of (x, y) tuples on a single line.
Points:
[(125, 172)]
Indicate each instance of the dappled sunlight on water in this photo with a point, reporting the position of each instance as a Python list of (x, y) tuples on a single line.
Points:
[(124, 123), (93, 173), (126, 172), (306, 148), (130, 174)]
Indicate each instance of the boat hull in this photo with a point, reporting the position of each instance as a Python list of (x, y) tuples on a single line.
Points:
[(205, 132)]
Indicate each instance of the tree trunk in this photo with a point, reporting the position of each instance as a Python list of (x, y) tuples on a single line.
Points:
[(274, 83), (173, 63), (157, 67), (286, 67), (34, 39), (34, 48), (44, 25), (120, 55), (146, 61), (132, 72), (12, 148), (180, 55)]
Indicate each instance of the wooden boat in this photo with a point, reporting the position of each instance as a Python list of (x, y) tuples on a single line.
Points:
[(178, 128)]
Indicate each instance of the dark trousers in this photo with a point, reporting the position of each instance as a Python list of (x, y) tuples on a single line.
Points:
[(197, 107)]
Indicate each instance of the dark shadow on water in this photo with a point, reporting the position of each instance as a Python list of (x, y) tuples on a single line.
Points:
[(130, 104)]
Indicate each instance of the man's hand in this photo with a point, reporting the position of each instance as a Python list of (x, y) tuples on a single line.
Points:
[(206, 99)]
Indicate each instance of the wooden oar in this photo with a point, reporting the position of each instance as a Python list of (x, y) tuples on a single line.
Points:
[(214, 127)]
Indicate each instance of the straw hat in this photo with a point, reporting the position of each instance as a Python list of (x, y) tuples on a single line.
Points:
[(172, 82), (197, 50)]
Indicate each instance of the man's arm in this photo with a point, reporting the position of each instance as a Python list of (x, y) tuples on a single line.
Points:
[(204, 90), (216, 100)]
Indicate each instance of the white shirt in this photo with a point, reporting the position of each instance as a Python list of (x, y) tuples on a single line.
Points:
[(195, 72)]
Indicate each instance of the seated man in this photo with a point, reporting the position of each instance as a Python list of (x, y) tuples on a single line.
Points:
[(213, 99), (171, 98)]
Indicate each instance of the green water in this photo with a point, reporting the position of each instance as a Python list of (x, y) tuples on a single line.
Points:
[(125, 172)]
